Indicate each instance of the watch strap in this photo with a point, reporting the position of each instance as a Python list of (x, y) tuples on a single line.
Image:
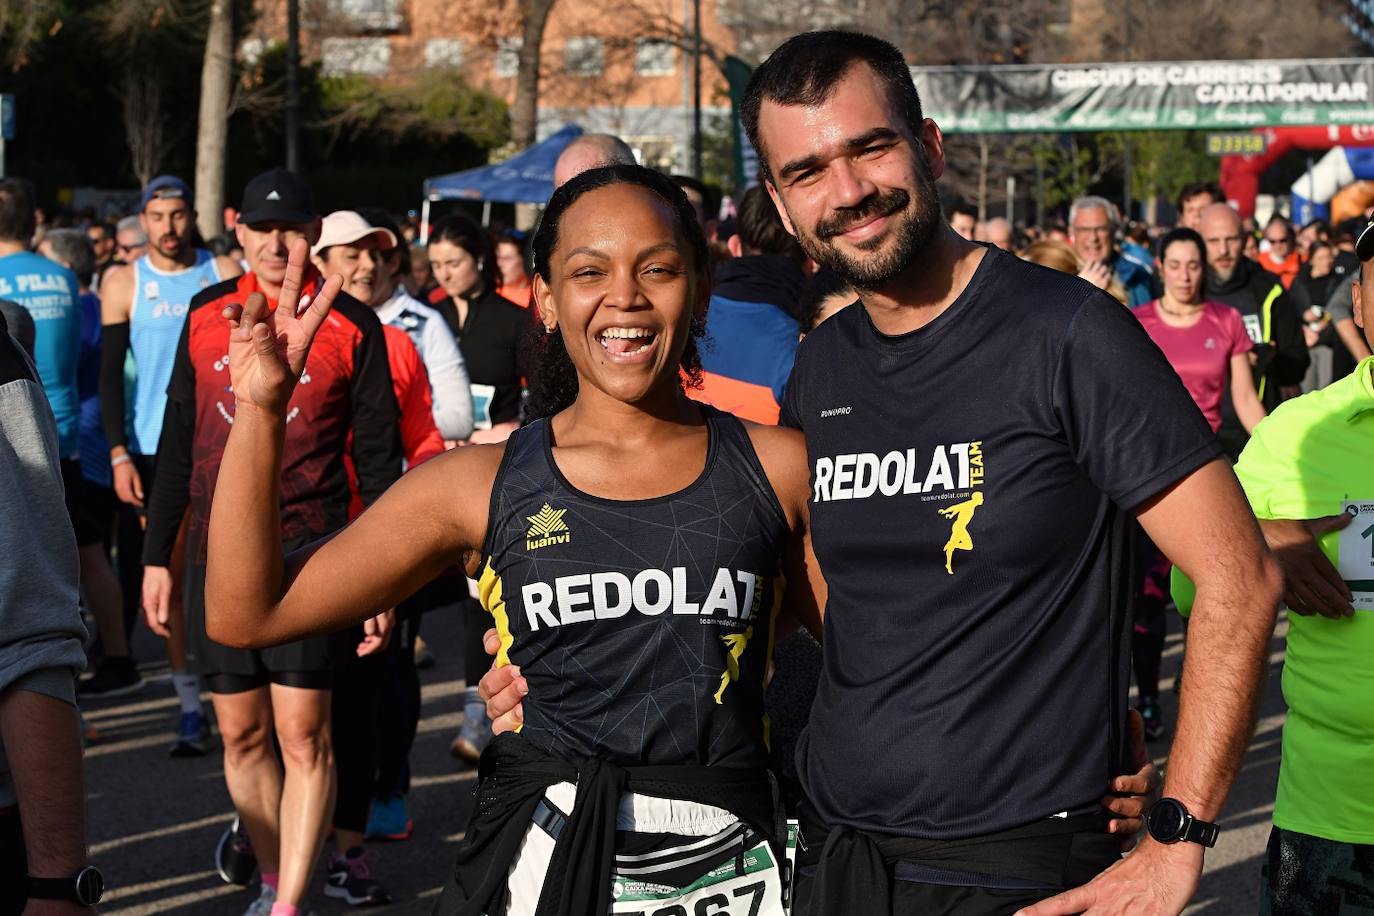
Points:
[(1200, 832), (53, 888)]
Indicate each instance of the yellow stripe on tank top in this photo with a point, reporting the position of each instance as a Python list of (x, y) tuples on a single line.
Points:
[(489, 593), (779, 588)]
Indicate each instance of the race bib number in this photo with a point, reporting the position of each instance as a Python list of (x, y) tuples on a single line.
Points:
[(1356, 554), (481, 405), (723, 891), (1254, 327)]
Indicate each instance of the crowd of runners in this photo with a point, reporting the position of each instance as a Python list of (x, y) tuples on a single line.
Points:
[(950, 476)]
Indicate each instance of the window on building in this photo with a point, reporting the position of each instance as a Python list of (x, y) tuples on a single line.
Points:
[(583, 56), (366, 56), (655, 57), (444, 52), (508, 56), (368, 15)]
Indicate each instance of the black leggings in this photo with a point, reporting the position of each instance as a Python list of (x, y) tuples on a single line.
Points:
[(396, 730), (358, 696)]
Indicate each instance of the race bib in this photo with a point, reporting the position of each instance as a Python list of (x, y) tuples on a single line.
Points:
[(723, 891), (1356, 554), (1254, 327), (481, 405)]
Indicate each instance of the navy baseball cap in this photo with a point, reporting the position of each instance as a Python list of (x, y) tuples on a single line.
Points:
[(277, 196), (1364, 248), (165, 187)]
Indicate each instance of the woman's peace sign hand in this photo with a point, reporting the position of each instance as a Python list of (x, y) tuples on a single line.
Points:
[(267, 349)]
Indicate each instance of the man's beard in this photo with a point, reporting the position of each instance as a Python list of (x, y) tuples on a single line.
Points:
[(913, 231), (1217, 277)]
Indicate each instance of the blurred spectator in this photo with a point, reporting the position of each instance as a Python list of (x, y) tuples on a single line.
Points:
[(1093, 223), (131, 242), (1136, 245), (510, 265), (1059, 256), (997, 232), (754, 321), (1310, 291), (1278, 253), (825, 295), (1279, 357), (704, 199), (1315, 231), (1193, 199), (102, 236), (590, 151), (419, 281)]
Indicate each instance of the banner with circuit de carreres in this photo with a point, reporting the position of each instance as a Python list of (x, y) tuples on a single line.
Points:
[(1183, 95)]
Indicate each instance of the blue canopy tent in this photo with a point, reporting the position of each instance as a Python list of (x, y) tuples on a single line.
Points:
[(525, 178)]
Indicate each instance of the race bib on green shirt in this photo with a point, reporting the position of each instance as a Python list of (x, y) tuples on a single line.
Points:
[(1356, 556)]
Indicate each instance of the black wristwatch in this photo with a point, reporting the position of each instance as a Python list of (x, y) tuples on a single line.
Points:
[(1170, 822), (86, 887)]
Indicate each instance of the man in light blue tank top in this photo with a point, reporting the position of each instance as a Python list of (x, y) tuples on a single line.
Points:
[(143, 310), (48, 290)]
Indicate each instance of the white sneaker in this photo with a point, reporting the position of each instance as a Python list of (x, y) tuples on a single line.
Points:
[(263, 905)]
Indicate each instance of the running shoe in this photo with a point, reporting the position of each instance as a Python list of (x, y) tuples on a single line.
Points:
[(389, 819), (193, 736), (350, 879), (235, 861), (475, 732), (113, 677), (424, 659), (1153, 715), (263, 905)]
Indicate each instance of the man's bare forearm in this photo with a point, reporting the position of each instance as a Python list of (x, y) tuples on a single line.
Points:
[(42, 739), (1228, 642)]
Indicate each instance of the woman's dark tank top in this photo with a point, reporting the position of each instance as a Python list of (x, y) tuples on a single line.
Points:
[(644, 627)]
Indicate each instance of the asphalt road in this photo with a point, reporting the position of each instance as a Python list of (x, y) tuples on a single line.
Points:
[(154, 820)]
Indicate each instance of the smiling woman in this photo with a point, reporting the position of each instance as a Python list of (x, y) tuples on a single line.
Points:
[(634, 549), (554, 381)]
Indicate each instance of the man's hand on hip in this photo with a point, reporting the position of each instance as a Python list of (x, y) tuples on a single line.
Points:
[(1155, 880)]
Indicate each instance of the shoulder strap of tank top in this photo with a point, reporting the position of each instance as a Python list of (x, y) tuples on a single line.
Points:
[(524, 445), (736, 452)]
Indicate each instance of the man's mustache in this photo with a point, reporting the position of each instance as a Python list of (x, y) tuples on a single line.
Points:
[(874, 205)]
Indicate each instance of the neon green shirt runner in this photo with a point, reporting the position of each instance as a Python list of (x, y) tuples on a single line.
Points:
[(1313, 457)]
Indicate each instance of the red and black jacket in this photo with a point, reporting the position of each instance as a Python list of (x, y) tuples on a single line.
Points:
[(346, 387)]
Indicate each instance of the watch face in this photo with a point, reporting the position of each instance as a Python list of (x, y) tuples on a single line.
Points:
[(90, 885), (1166, 820)]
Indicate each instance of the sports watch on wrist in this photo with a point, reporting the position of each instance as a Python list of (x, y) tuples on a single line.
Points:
[(86, 887), (1170, 822)]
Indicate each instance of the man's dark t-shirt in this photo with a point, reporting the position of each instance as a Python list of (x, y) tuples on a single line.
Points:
[(971, 487)]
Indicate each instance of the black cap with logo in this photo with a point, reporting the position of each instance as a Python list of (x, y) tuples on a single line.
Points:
[(277, 196)]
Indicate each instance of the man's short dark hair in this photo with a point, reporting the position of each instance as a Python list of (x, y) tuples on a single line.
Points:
[(805, 69), (1197, 189), (17, 221), (760, 227), (963, 208)]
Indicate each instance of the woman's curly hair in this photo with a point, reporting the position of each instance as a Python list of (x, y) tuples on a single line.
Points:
[(552, 376)]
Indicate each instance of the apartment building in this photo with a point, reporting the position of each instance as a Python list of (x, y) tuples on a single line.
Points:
[(618, 66)]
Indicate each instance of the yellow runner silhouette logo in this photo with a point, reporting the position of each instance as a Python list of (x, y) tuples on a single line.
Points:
[(959, 538), (547, 527), (736, 643)]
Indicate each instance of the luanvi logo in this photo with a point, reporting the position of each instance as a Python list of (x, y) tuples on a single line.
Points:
[(547, 528), (836, 412)]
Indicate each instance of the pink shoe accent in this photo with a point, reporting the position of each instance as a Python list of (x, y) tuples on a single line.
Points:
[(270, 879), (285, 909)]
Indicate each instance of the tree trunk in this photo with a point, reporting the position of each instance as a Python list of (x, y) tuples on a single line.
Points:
[(216, 76), (525, 114), (141, 97)]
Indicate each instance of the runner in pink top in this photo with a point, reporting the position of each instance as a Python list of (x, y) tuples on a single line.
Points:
[(1204, 341)]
